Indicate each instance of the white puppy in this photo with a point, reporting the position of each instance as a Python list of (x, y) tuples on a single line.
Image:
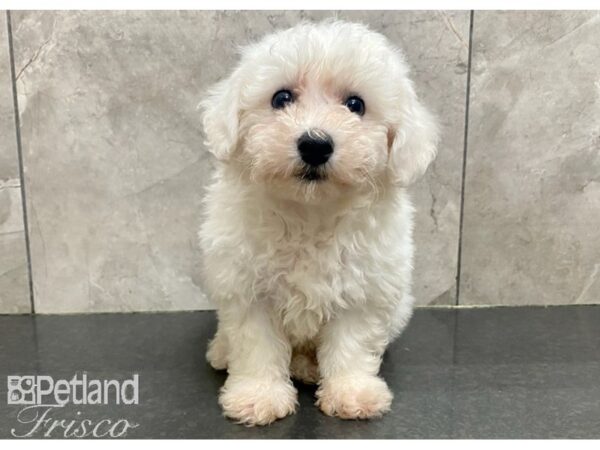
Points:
[(307, 239)]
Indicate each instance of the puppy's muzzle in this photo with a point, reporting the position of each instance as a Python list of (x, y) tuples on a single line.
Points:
[(315, 147)]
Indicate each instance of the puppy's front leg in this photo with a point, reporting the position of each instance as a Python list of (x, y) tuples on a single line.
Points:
[(349, 354), (258, 389)]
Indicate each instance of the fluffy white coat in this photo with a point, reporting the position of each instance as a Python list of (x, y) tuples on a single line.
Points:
[(311, 278)]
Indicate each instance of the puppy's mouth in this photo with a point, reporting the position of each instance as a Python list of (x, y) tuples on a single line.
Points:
[(312, 174)]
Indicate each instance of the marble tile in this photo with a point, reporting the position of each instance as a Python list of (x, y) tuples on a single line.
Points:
[(9, 167), (115, 165), (532, 193), (14, 284)]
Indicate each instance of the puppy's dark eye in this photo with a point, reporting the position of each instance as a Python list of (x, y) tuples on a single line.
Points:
[(355, 104), (281, 99)]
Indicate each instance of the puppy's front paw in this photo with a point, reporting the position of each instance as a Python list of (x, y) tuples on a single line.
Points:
[(257, 402), (354, 397)]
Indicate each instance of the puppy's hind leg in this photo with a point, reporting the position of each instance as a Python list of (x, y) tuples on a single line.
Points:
[(304, 366), (218, 349)]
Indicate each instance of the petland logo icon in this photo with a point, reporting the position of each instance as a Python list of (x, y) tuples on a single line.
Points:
[(41, 394)]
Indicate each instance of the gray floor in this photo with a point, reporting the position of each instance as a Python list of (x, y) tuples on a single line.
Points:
[(487, 373)]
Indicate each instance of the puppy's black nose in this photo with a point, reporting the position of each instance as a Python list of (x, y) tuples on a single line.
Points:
[(315, 147)]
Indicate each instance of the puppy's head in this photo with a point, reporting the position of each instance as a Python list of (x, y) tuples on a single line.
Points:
[(320, 111)]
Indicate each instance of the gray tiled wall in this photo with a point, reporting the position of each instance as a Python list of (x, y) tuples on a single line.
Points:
[(14, 287), (115, 167), (531, 230)]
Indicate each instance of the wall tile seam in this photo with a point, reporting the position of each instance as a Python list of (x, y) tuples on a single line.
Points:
[(464, 161), (17, 123)]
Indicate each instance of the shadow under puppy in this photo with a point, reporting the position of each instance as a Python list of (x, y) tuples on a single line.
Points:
[(307, 237)]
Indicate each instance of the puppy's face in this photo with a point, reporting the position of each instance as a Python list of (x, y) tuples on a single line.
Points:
[(312, 132), (321, 111)]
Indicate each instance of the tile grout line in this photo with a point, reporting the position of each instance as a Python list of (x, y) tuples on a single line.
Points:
[(20, 157), (464, 162)]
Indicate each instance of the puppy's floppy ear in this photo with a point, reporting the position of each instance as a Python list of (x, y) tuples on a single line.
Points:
[(414, 141), (220, 117)]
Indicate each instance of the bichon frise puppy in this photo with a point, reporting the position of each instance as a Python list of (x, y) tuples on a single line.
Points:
[(307, 240)]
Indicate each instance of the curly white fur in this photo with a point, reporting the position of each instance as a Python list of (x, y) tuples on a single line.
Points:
[(312, 275)]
